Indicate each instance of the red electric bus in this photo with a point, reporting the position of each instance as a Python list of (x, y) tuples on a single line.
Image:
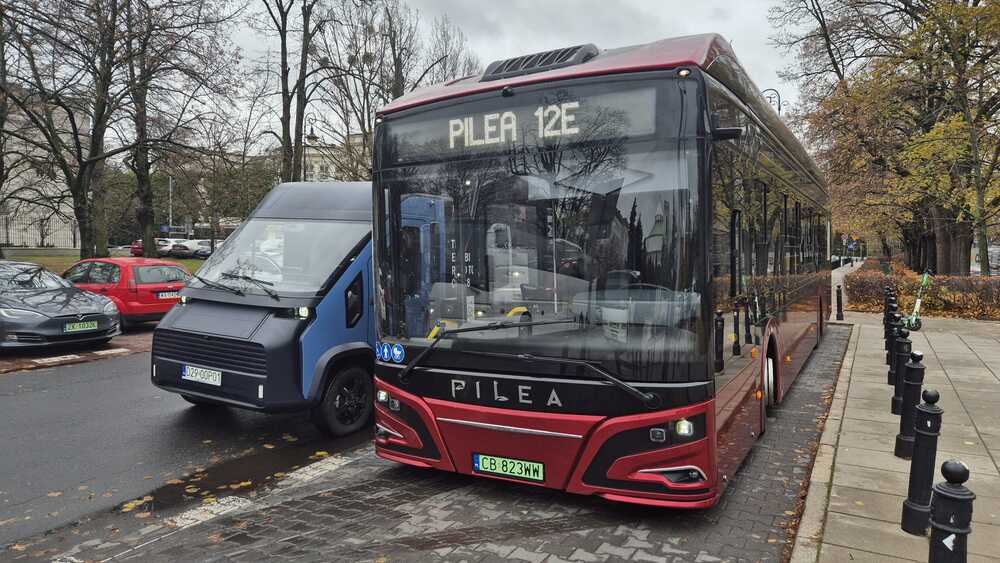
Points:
[(596, 270)]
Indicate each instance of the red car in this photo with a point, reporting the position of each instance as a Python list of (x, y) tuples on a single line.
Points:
[(143, 289)]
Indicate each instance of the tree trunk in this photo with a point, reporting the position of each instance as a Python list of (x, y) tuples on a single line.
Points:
[(99, 212), (961, 240), (942, 241)]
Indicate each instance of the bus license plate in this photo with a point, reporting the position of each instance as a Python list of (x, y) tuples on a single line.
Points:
[(202, 375), (80, 327), (517, 468), (168, 295)]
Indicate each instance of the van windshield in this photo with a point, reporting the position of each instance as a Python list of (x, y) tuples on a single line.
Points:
[(293, 257)]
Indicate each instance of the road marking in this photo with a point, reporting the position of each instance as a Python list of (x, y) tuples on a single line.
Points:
[(56, 359), (112, 351)]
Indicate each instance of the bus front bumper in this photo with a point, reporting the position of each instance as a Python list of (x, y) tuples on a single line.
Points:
[(637, 458)]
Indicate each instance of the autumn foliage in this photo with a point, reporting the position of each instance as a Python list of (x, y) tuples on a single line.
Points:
[(951, 296)]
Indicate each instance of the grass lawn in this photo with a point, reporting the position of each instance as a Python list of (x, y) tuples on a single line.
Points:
[(59, 264)]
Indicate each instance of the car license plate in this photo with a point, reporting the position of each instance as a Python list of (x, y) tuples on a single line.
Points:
[(168, 295), (80, 327), (202, 375), (517, 468)]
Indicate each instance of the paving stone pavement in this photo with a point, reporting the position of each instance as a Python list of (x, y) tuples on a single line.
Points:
[(371, 509)]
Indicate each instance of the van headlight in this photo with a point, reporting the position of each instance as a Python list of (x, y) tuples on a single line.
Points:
[(110, 308), (20, 314)]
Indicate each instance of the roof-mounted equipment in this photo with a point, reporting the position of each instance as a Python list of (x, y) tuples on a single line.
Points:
[(540, 62)]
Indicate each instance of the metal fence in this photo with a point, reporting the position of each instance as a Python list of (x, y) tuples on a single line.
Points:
[(35, 231)]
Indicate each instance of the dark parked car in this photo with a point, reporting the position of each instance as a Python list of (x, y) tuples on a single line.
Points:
[(38, 308)]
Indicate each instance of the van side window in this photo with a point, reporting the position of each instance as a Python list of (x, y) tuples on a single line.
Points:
[(354, 301)]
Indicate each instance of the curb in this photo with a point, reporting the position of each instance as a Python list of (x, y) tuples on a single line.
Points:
[(809, 537)]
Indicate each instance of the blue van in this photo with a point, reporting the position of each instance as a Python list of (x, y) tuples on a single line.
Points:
[(279, 318)]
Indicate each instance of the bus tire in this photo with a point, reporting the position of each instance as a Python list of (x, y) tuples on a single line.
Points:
[(769, 384), (199, 402), (347, 404)]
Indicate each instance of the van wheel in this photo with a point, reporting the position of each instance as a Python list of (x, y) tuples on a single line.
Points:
[(348, 403), (199, 402)]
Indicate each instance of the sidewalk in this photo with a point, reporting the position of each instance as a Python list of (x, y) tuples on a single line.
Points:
[(858, 486)]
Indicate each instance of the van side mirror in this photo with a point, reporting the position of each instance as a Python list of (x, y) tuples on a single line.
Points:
[(354, 300)]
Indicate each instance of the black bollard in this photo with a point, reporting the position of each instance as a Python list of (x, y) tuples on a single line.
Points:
[(894, 327), (913, 376), (737, 351), (951, 515), (746, 321), (902, 351), (720, 330), (840, 304), (893, 308), (927, 428)]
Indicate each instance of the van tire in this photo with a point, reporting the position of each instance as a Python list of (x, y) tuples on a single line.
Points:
[(199, 402), (347, 404)]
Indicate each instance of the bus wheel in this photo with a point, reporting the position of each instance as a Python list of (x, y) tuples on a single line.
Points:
[(347, 404), (769, 396), (199, 402)]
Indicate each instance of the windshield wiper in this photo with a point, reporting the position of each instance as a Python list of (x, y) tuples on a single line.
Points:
[(496, 325), (217, 285), (650, 400), (259, 283)]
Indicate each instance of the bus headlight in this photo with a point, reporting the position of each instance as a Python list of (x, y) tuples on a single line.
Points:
[(684, 428)]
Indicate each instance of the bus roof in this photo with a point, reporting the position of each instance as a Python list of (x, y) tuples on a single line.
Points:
[(343, 201), (697, 50), (708, 51)]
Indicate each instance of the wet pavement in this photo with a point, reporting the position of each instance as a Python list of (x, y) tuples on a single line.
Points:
[(355, 506), (83, 440)]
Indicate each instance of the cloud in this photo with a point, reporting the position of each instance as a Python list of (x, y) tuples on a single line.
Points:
[(508, 28)]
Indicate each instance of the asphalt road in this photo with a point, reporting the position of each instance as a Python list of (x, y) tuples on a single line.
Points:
[(84, 438)]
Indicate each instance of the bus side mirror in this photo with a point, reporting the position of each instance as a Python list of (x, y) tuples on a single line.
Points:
[(724, 133), (727, 133)]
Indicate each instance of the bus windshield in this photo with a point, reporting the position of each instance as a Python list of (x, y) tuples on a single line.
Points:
[(560, 202), (293, 257)]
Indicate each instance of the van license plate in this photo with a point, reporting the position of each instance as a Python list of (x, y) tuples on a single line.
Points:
[(508, 467), (80, 327), (202, 375), (168, 295)]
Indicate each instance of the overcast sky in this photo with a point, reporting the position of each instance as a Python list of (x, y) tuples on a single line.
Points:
[(501, 29)]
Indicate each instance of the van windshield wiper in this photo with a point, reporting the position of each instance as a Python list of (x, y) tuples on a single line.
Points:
[(650, 400), (217, 285), (259, 283), (496, 325)]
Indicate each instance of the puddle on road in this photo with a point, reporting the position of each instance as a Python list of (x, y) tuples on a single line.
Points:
[(244, 475)]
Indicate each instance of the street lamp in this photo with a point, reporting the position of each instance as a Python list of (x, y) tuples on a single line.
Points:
[(773, 97), (311, 138)]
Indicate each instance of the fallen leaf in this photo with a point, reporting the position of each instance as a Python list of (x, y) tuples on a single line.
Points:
[(147, 498), (859, 503), (175, 482), (269, 446), (143, 514), (190, 489), (55, 493), (107, 494), (19, 547), (82, 488), (279, 474), (147, 477), (289, 438)]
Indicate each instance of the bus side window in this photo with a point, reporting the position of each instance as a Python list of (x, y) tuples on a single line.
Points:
[(354, 301)]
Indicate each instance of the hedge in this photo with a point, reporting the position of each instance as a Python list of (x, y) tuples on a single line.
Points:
[(951, 296)]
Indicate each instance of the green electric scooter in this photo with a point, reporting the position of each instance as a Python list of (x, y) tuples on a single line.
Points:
[(912, 322)]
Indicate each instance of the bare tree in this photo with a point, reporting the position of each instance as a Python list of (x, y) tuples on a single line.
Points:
[(66, 83), (178, 69), (370, 55)]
